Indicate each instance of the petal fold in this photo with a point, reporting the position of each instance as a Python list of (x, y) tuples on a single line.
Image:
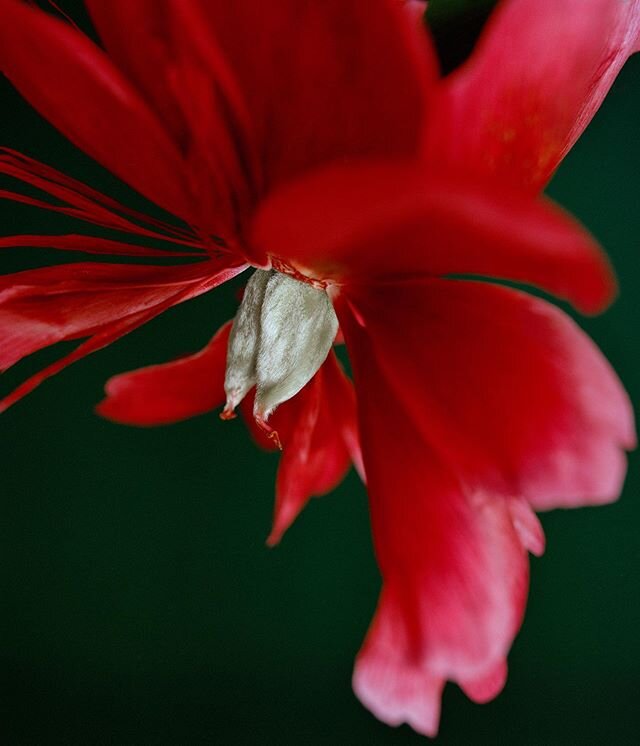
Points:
[(390, 220)]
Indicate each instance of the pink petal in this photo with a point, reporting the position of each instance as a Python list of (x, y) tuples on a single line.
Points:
[(538, 75), (72, 83), (512, 393), (162, 394), (391, 220), (454, 571)]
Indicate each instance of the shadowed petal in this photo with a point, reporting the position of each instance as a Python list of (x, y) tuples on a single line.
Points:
[(73, 84)]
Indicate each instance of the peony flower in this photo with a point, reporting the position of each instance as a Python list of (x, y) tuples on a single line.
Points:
[(316, 143)]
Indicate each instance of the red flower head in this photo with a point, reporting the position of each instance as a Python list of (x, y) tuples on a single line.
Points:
[(315, 142)]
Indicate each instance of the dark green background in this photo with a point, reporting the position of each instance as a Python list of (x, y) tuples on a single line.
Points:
[(142, 607)]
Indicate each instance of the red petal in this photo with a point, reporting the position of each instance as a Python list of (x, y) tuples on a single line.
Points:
[(67, 302), (454, 570), (305, 83), (162, 394), (537, 77), (319, 432), (90, 245), (137, 36), (319, 436), (71, 83), (396, 221), (512, 393)]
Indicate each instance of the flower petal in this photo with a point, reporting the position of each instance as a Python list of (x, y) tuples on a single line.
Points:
[(537, 77), (73, 84), (454, 571), (138, 39), (319, 441), (68, 302), (163, 394), (322, 81), (318, 432), (512, 393), (393, 220)]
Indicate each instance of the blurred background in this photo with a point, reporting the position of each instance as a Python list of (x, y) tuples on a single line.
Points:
[(141, 605)]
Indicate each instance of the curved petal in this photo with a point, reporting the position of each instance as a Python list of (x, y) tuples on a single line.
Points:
[(98, 301), (454, 570), (318, 433), (163, 394), (514, 396), (324, 81), (538, 75), (138, 38), (393, 220), (73, 84)]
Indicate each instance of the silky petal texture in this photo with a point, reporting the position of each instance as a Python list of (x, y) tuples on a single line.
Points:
[(538, 75), (68, 302), (454, 571), (389, 220), (163, 394), (340, 79), (74, 85), (515, 397)]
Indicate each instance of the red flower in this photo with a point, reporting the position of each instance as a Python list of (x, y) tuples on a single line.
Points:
[(316, 139)]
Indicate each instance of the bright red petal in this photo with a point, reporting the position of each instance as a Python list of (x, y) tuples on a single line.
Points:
[(163, 394), (73, 84), (319, 436), (514, 396), (41, 307), (454, 570), (389, 221), (537, 77)]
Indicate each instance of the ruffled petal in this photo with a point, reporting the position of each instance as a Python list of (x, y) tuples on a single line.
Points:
[(538, 75), (163, 394), (391, 220), (97, 301), (515, 397), (318, 434), (73, 84), (454, 570)]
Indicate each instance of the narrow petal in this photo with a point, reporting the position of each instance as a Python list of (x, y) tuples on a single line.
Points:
[(537, 77), (318, 439), (68, 302), (74, 85), (318, 434), (508, 388), (454, 571), (163, 394), (391, 220)]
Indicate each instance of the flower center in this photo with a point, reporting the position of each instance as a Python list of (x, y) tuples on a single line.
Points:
[(280, 337)]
